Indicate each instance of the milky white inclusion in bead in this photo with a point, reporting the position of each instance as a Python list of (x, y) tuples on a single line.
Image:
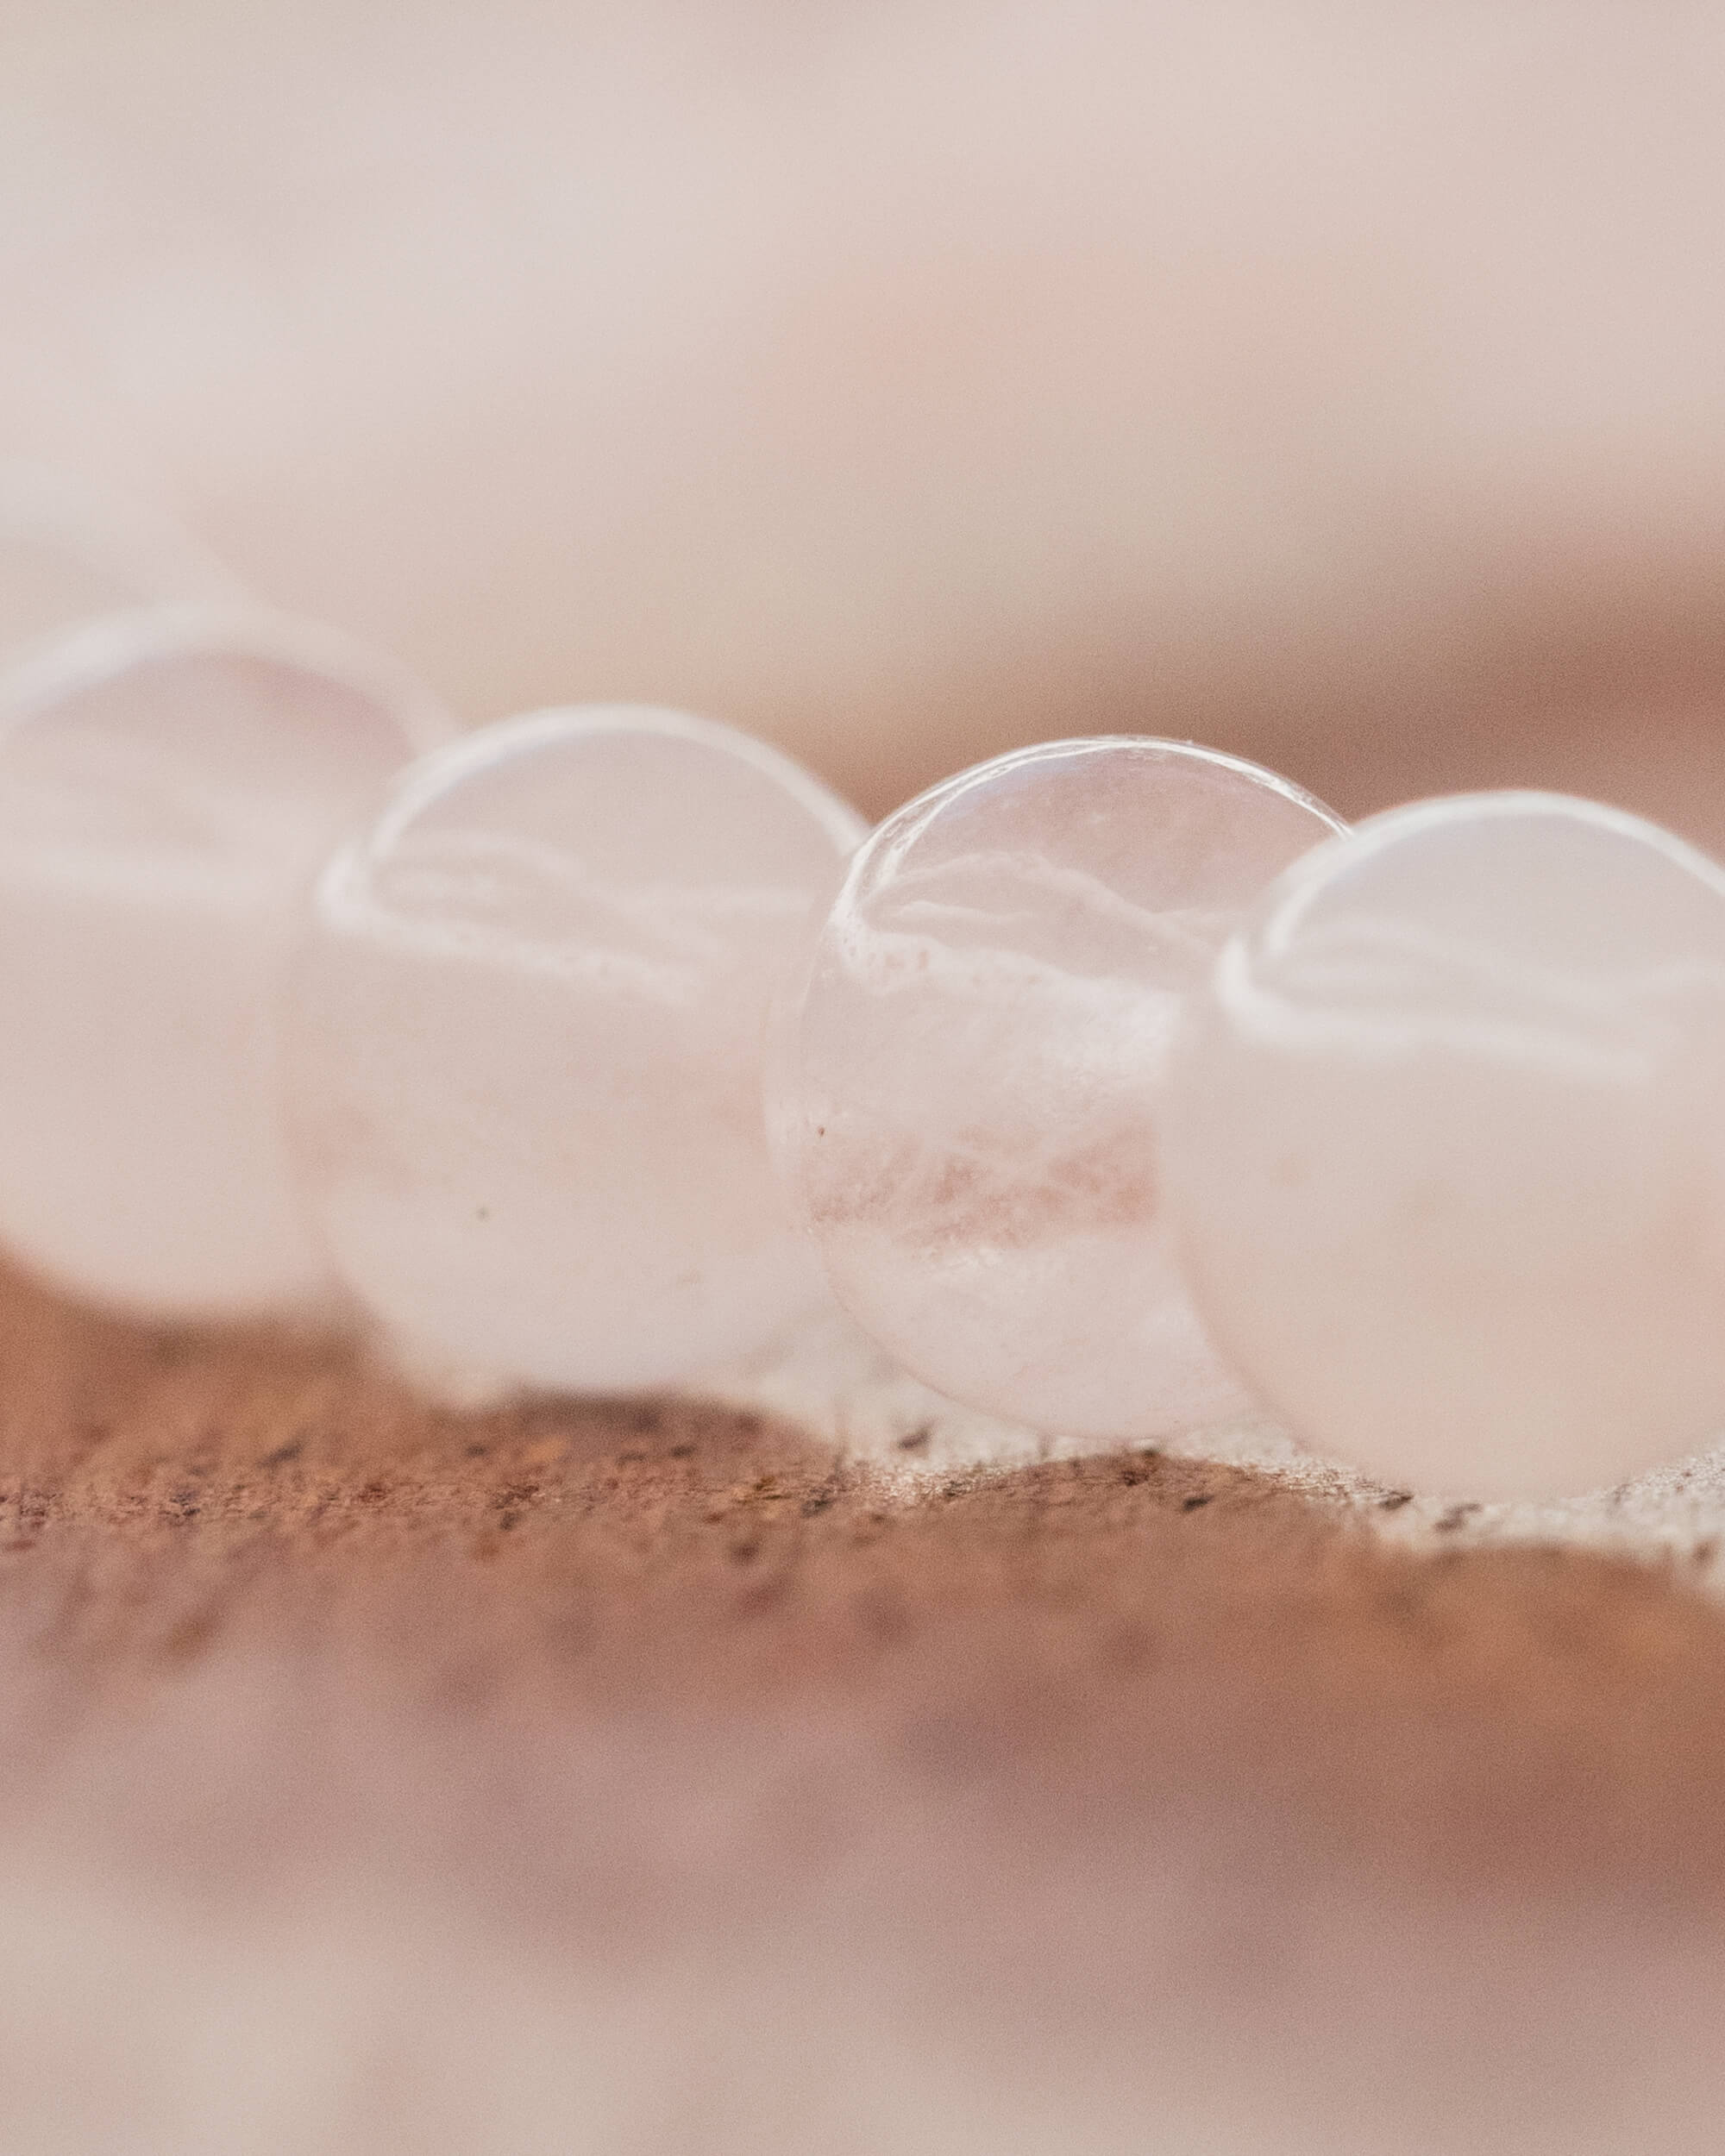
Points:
[(1446, 1150), (66, 558), (527, 1048), (963, 1081), (169, 783)]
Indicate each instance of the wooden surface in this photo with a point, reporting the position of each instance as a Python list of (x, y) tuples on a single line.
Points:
[(664, 1701)]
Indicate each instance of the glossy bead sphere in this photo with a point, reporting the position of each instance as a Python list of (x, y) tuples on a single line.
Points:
[(66, 558), (1446, 1150), (964, 1072), (527, 1043), (169, 782)]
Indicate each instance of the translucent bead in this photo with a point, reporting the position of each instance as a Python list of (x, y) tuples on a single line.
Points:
[(169, 781), (964, 1073), (1445, 1149), (527, 1049), (66, 558)]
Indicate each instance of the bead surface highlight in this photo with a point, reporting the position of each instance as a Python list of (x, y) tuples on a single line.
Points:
[(1444, 1148), (964, 1072), (525, 1091), (169, 781)]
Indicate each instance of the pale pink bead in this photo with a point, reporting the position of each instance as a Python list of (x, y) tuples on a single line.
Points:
[(963, 1083), (169, 782), (67, 557), (1446, 1150), (527, 1049)]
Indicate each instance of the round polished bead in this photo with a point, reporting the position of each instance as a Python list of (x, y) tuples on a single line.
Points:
[(964, 1072), (525, 1087), (1444, 1150), (66, 558), (169, 782)]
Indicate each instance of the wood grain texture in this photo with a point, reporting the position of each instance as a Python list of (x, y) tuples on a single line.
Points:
[(614, 1686)]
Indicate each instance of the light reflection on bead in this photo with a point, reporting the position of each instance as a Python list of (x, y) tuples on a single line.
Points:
[(169, 781), (1445, 1148), (963, 1078), (525, 1089)]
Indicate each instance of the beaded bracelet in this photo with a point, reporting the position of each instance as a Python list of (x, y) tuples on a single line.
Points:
[(1092, 1057)]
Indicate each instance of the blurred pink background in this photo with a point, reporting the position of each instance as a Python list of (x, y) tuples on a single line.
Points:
[(1338, 383)]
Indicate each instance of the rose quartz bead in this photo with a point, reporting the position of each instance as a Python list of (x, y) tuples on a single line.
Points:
[(1444, 1150), (527, 1049), (66, 558), (965, 1069), (169, 781)]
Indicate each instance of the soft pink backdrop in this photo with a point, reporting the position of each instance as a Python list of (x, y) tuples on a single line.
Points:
[(1338, 383)]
